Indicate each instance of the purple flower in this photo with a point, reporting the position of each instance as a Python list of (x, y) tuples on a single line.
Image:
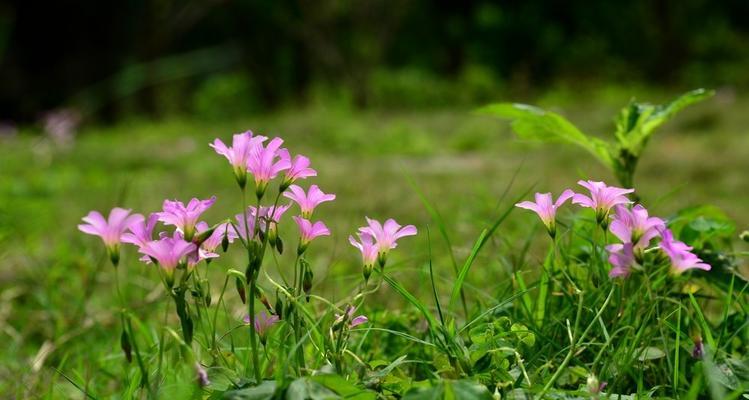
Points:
[(201, 375), (602, 199), (546, 208), (141, 232), (238, 154), (246, 223), (299, 169), (308, 231), (265, 163), (699, 348), (169, 253), (680, 254), (224, 230), (386, 235), (635, 226), (349, 317), (368, 250), (110, 230), (307, 202), (263, 323), (622, 257), (185, 217)]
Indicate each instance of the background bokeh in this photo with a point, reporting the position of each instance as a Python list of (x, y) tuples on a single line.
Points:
[(114, 103)]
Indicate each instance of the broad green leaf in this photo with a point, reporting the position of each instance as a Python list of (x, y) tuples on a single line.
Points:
[(650, 353), (535, 123), (637, 122), (450, 390), (264, 391)]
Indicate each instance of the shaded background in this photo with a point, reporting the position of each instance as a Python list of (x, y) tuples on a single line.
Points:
[(114, 103), (220, 58)]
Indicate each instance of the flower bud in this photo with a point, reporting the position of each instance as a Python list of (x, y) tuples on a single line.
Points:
[(307, 282), (241, 290), (279, 245), (202, 236), (279, 306), (699, 348), (744, 236), (125, 345), (225, 241)]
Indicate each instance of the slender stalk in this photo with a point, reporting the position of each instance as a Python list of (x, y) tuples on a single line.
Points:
[(215, 312)]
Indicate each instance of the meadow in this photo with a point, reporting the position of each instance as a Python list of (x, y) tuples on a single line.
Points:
[(451, 172)]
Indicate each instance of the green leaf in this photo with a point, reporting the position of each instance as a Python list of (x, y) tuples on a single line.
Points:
[(530, 122), (637, 122), (342, 387), (450, 390), (650, 353), (264, 391)]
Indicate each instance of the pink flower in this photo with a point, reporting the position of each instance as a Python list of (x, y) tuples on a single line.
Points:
[(262, 324), (247, 224), (349, 316), (169, 253), (546, 208), (635, 226), (266, 162), (224, 230), (680, 254), (622, 257), (141, 232), (274, 218), (299, 169), (185, 217), (110, 230), (308, 231), (386, 235), (368, 250), (602, 199), (242, 143), (307, 202)]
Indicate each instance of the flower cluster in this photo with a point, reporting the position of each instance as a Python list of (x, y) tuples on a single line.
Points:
[(632, 225), (377, 239)]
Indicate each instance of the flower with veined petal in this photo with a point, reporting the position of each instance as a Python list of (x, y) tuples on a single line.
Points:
[(308, 201), (368, 249), (110, 230), (262, 324), (680, 254), (546, 208), (602, 199), (185, 217), (622, 257), (265, 163), (635, 226), (239, 152), (299, 169), (386, 235), (309, 231)]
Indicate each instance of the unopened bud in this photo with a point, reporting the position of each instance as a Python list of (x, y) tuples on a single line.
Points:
[(125, 345), (241, 290), (744, 236), (307, 282), (279, 306), (279, 245)]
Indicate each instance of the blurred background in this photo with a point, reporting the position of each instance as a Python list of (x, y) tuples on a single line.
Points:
[(114, 103)]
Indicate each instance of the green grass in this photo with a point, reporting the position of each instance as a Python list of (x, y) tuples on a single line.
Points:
[(58, 310)]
